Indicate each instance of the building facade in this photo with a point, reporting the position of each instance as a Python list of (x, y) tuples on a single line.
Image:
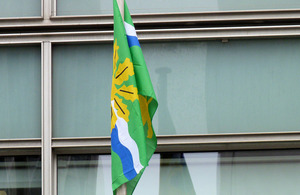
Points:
[(226, 75)]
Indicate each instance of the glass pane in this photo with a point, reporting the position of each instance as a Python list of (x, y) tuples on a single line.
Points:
[(81, 90), (214, 173), (20, 92), (163, 6), (236, 87), (259, 172), (83, 7), (20, 175), (94, 7), (84, 174), (20, 8), (202, 87)]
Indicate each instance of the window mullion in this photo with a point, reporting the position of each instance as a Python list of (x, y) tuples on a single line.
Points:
[(46, 9), (47, 165)]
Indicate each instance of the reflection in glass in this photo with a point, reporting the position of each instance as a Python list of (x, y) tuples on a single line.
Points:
[(96, 7), (259, 172), (212, 87), (84, 174), (180, 173), (20, 175), (209, 173), (203, 87), (178, 78)]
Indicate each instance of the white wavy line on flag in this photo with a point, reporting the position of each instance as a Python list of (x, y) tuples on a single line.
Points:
[(130, 30), (127, 141)]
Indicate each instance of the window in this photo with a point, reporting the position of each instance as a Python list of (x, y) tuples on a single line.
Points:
[(237, 87), (20, 88), (94, 7), (20, 8), (81, 90), (225, 73), (234, 172), (20, 175), (84, 174)]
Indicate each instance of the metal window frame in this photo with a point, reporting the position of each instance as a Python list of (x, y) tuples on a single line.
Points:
[(218, 33), (189, 17), (47, 154)]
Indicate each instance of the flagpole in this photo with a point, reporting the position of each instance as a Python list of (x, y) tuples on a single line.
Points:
[(121, 7), (122, 190)]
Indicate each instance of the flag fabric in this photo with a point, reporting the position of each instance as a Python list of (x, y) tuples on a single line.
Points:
[(133, 104)]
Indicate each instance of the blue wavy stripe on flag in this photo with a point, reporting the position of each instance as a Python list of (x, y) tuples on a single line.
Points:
[(131, 35), (133, 41), (124, 154), (125, 147)]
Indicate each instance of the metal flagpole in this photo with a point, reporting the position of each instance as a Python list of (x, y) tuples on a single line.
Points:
[(121, 7), (122, 190)]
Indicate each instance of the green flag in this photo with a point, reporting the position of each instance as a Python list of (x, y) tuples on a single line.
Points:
[(133, 104)]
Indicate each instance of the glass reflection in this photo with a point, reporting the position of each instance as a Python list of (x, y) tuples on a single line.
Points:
[(207, 87), (84, 174), (20, 175), (209, 173), (210, 87)]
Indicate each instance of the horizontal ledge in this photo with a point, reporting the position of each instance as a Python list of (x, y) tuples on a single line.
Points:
[(188, 142), (155, 18), (217, 16), (221, 33), (30, 18), (20, 143), (229, 138), (174, 142), (81, 17), (160, 34), (169, 143), (80, 142), (247, 141), (81, 145)]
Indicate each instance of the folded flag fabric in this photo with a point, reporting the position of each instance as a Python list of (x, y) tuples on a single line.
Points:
[(133, 104)]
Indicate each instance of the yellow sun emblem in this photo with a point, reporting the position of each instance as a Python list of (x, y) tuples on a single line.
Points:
[(121, 92), (121, 74)]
